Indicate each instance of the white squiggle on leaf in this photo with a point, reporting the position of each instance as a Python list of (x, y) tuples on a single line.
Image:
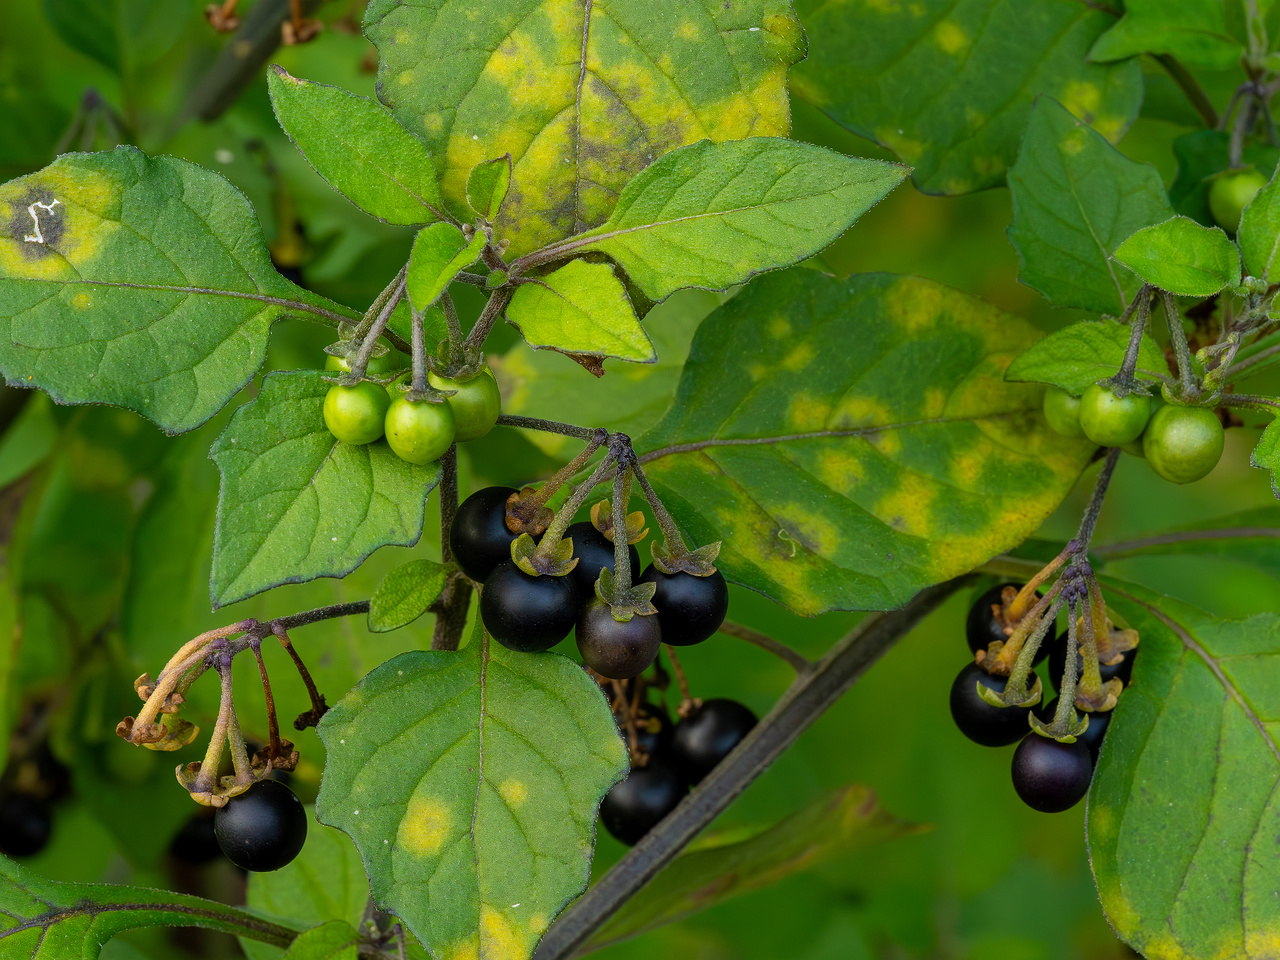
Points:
[(38, 237)]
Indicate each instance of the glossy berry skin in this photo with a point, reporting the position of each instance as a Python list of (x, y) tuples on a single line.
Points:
[(980, 721), (528, 613), (388, 363), (639, 803), (594, 550), (1183, 444), (1230, 193), (1058, 664), (690, 608), (1112, 421), (1092, 737), (25, 825), (616, 649), (419, 431), (1050, 776), (479, 538), (356, 415), (1062, 412), (263, 828), (475, 403), (707, 736), (981, 626)]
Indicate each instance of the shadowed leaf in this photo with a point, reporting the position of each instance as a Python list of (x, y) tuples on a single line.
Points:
[(1194, 31), (1203, 154), (1251, 536), (1084, 353)]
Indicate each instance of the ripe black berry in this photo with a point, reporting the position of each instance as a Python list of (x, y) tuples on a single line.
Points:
[(479, 537), (593, 550), (653, 729), (980, 721), (708, 735), (263, 828), (1092, 737), (637, 804), (982, 626), (690, 608), (614, 649), (1051, 776), (1058, 664), (528, 613), (25, 825)]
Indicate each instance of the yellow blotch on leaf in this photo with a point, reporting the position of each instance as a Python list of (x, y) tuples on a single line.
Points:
[(799, 357), (688, 30), (538, 923), (82, 301), (807, 413), (908, 149), (425, 827), (498, 937), (908, 507), (54, 222), (468, 949), (950, 36), (779, 327), (1082, 98), (513, 792), (840, 469), (855, 412)]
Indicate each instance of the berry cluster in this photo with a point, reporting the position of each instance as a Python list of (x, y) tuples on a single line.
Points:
[(419, 425), (1182, 443), (1051, 773)]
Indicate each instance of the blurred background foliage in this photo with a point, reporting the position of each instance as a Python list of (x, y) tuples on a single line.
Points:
[(107, 525)]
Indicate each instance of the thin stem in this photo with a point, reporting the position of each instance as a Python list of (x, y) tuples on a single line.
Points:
[(1248, 400), (380, 301), (1245, 120), (1095, 501), (471, 279), (419, 355), (453, 324), (1123, 382), (564, 516), (1256, 358), (493, 308), (274, 747), (1066, 712), (1091, 679), (621, 547), (448, 499), (318, 706), (1178, 337), (361, 359), (681, 680), (798, 662), (1191, 87), (552, 426), (676, 547), (292, 622), (451, 606), (812, 693), (566, 473)]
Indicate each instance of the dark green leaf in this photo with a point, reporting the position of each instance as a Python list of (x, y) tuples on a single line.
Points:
[(836, 823), (582, 107), (715, 214), (296, 504), (1194, 31), (147, 285), (335, 940), (1259, 233), (948, 84), (1251, 536), (487, 186), (358, 147), (121, 34), (440, 252), (1084, 353), (582, 308), (1203, 154), (1182, 811), (850, 477), (1182, 257), (1266, 455), (28, 440), (470, 782), (1075, 198), (405, 594)]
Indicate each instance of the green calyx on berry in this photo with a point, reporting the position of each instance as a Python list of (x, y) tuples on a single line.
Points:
[(538, 560), (602, 520), (700, 562), (626, 600)]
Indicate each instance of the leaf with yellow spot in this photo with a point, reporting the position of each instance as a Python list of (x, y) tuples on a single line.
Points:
[(1184, 808), (896, 457), (470, 783), (140, 282), (583, 94), (948, 85)]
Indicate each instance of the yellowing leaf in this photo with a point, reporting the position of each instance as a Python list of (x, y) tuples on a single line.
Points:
[(582, 308)]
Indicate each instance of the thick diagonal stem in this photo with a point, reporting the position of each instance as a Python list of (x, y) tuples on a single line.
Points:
[(1178, 337)]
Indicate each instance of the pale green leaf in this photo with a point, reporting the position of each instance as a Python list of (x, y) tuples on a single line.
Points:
[(1084, 353), (440, 253), (583, 96), (358, 147), (470, 783), (715, 214), (1259, 233), (858, 438), (405, 594), (295, 504), (139, 282), (1194, 31), (335, 940), (1182, 257), (487, 186), (582, 308), (948, 85), (1075, 198), (1266, 455)]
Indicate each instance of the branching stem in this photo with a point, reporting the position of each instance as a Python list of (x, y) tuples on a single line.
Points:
[(798, 662)]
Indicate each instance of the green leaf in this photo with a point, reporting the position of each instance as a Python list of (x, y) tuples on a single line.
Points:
[(1194, 31), (124, 35), (715, 214), (1259, 233), (1266, 455), (147, 285), (28, 440), (851, 478), (295, 504), (1182, 809), (582, 308), (835, 824), (487, 186), (440, 253), (1201, 156), (1182, 257), (358, 147), (1084, 353), (948, 85), (1075, 198), (583, 96), (335, 940), (1250, 536), (405, 594), (46, 920), (470, 782)]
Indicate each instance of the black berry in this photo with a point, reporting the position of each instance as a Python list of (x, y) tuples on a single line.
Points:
[(690, 608), (263, 828), (196, 842), (980, 721), (637, 804), (708, 735), (25, 825), (1058, 664), (1092, 737), (982, 626), (479, 538), (1051, 776), (653, 730), (593, 550), (528, 613), (615, 649)]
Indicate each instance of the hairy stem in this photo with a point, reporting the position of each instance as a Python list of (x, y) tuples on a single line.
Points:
[(552, 426), (676, 547), (1094, 508), (493, 308), (1178, 337)]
